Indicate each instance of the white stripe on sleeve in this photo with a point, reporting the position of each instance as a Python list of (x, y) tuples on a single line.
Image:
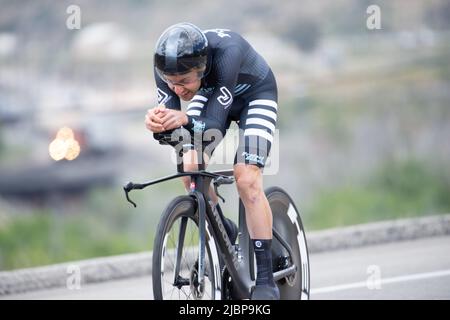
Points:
[(195, 104), (193, 112), (199, 97)]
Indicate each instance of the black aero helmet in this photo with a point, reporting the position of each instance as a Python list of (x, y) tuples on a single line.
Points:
[(180, 48)]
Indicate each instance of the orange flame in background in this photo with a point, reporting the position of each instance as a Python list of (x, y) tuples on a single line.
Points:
[(64, 146)]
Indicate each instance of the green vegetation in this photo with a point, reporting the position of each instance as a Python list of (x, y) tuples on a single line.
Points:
[(44, 239), (396, 190), (104, 225)]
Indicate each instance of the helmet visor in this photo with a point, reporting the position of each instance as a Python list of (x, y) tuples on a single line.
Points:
[(184, 78)]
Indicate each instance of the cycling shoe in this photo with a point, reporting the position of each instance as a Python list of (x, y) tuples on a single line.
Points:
[(266, 292)]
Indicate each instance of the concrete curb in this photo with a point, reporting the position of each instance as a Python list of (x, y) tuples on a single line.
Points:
[(379, 232), (69, 274), (135, 265)]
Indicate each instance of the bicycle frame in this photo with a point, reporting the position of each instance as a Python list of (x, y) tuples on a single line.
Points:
[(240, 268)]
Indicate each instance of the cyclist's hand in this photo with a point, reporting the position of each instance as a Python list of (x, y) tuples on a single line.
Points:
[(173, 119), (153, 120), (161, 110)]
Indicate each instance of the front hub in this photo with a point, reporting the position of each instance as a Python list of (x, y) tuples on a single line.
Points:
[(197, 288)]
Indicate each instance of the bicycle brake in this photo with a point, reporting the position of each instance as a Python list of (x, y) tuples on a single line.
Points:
[(216, 190)]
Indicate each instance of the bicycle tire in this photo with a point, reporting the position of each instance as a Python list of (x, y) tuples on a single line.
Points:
[(183, 207), (288, 223)]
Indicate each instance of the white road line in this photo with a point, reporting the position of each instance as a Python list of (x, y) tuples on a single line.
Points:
[(364, 284)]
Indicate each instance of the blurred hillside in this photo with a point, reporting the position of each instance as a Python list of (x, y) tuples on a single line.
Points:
[(364, 115)]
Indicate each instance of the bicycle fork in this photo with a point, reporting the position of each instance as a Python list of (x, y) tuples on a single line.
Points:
[(196, 280), (202, 238)]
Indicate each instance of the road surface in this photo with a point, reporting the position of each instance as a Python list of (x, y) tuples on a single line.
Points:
[(418, 269)]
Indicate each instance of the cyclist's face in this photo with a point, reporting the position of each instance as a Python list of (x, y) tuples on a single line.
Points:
[(185, 85)]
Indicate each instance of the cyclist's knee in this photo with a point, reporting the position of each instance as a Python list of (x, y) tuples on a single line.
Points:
[(249, 182)]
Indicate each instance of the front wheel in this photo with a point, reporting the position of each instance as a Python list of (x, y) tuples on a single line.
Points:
[(287, 222), (175, 256)]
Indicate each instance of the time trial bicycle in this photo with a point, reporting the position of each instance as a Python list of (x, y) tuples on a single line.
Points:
[(193, 257)]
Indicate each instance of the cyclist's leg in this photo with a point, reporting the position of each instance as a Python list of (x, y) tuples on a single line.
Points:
[(250, 187), (191, 164), (257, 124), (190, 160), (257, 127)]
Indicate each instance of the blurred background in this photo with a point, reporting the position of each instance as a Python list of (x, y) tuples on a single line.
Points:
[(364, 116)]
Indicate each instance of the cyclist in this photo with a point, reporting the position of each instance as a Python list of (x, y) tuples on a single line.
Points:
[(225, 80)]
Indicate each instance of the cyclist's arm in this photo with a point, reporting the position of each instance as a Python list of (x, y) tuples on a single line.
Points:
[(218, 106)]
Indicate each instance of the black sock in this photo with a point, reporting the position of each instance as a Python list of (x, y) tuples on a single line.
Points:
[(263, 255)]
